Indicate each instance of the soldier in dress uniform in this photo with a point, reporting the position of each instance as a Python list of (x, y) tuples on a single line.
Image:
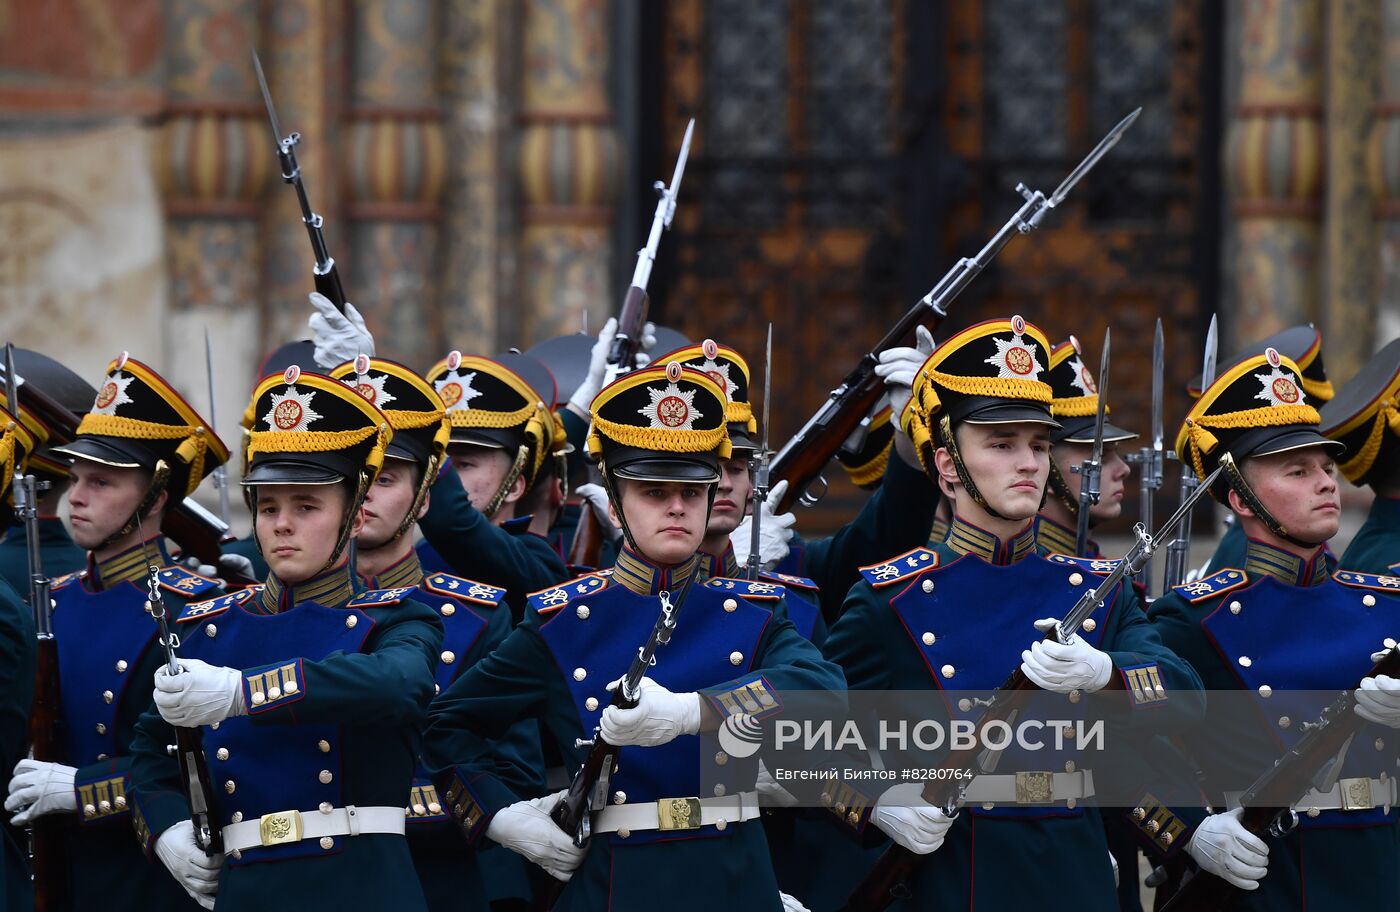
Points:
[(312, 690), (1303, 346), (1365, 417), (18, 442), (1282, 623), (961, 614), (473, 617), (141, 447), (1074, 406), (503, 435), (659, 434)]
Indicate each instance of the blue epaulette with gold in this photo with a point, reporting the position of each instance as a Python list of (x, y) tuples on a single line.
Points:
[(906, 566), (1211, 586), (199, 610), (548, 600), (379, 598), (461, 588), (787, 579), (1368, 581), (1100, 565), (756, 590), (185, 582), (65, 579)]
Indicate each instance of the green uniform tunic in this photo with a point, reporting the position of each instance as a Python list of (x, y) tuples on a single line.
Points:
[(17, 665), (995, 859), (555, 666), (56, 549), (1376, 545), (346, 734), (1340, 860)]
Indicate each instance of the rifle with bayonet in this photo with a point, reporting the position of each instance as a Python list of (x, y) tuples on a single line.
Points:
[(888, 879), (588, 791), (325, 274), (47, 834), (1269, 803), (631, 323), (803, 459), (1090, 471), (759, 468), (1179, 549), (188, 748), (1148, 459), (220, 473)]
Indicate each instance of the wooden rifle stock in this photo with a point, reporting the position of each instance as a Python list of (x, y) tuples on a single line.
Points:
[(49, 861), (630, 323), (1278, 790), (587, 547)]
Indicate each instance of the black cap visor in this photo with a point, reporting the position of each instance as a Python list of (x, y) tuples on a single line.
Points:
[(1081, 430), (492, 438), (1267, 441), (649, 465), (989, 410), (111, 451), (290, 472)]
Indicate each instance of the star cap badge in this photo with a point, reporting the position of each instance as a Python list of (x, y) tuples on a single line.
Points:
[(112, 395), (456, 390), (291, 411), (671, 408), (372, 388), (1015, 358)]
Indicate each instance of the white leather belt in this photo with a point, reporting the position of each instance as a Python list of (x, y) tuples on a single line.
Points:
[(1030, 788), (676, 814), (283, 827), (1347, 795)]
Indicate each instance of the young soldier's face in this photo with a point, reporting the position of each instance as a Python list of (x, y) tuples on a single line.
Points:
[(732, 499), (1112, 479), (388, 501), (667, 518), (1299, 488), (482, 470), (102, 498), (1010, 464), (298, 526)]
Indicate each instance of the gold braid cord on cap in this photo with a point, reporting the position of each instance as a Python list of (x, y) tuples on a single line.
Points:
[(1202, 442), (1386, 417), (192, 450), (669, 441), (741, 413), (1076, 407)]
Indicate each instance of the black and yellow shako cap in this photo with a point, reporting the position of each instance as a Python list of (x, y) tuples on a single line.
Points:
[(1300, 344), (1255, 408), (19, 435), (312, 429), (1076, 398), (487, 403), (415, 411), (1365, 417), (730, 372), (661, 423), (138, 420), (866, 465)]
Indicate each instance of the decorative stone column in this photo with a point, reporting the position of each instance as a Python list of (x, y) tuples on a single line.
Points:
[(1274, 168), (1383, 166), (396, 170), (213, 162), (568, 169)]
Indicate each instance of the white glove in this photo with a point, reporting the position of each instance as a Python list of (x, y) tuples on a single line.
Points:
[(1226, 849), (1064, 667), (527, 829), (773, 535), (659, 716), (599, 375), (770, 793), (790, 903), (597, 499), (906, 818), (899, 366), (40, 788), (235, 565), (196, 872), (338, 337), (1378, 700), (201, 694)]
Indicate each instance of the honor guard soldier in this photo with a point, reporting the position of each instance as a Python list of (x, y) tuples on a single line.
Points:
[(59, 553), (311, 691), (503, 435), (1074, 406), (961, 615), (473, 617), (897, 516), (1303, 346), (659, 434), (1365, 417), (141, 447), (1255, 629), (17, 664)]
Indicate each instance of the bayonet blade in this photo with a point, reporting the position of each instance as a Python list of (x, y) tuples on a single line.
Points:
[(267, 101), (1159, 364), (1208, 364), (767, 393), (1099, 151), (1100, 414), (678, 174), (11, 384)]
